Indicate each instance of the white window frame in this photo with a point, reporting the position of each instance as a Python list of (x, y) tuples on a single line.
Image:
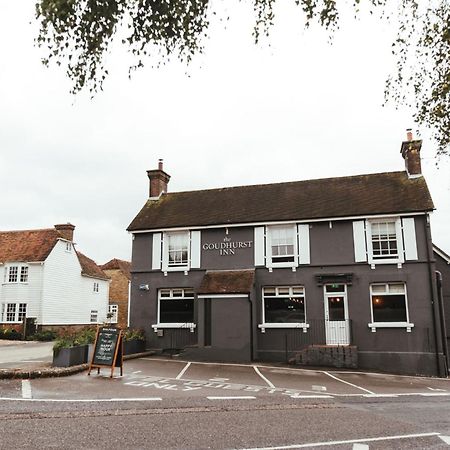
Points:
[(374, 325), (270, 263), (68, 247), (113, 309), (159, 325), (94, 316), (304, 325), (399, 259), (96, 287), (21, 273), (165, 256), (18, 311)]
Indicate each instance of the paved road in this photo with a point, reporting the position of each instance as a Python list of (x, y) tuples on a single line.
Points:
[(173, 404), (25, 354)]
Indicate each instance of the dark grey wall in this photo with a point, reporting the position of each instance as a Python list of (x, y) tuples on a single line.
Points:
[(444, 268), (331, 252)]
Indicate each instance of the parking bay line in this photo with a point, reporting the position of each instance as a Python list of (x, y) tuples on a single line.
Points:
[(26, 389), (350, 441), (237, 397), (263, 377), (350, 384), (80, 400), (186, 367)]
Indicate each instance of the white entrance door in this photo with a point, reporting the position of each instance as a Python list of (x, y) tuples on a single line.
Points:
[(336, 314)]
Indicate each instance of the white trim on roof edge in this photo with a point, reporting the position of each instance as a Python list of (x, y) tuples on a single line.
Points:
[(441, 253), (255, 224)]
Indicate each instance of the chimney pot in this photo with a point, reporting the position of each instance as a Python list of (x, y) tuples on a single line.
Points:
[(160, 164), (409, 135)]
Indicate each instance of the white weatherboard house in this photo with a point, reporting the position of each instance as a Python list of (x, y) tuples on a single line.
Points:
[(43, 276)]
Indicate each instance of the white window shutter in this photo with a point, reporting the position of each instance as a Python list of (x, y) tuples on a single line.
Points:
[(359, 240), (195, 249), (268, 248), (258, 246), (303, 244), (156, 251), (409, 238), (165, 252)]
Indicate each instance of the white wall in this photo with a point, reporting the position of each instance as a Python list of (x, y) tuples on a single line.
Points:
[(68, 297), (29, 292)]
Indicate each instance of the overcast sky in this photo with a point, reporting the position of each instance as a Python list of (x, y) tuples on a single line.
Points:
[(244, 114)]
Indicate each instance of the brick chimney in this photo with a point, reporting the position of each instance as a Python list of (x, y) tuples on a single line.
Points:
[(65, 230), (411, 154), (158, 181)]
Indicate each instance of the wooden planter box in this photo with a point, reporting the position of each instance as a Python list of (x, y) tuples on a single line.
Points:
[(71, 356), (135, 346)]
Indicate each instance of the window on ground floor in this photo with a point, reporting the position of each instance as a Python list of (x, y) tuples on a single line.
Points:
[(94, 316), (283, 306), (176, 306), (13, 312), (389, 305), (113, 311)]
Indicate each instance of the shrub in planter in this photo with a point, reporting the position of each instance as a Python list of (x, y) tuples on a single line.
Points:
[(71, 350), (133, 342)]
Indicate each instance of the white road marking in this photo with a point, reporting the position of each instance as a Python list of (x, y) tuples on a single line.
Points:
[(220, 380), (26, 389), (137, 371), (80, 400), (318, 388), (360, 447), (241, 397), (32, 361), (186, 367), (435, 394), (311, 396), (435, 389), (351, 441), (350, 384), (446, 439), (264, 378), (380, 395)]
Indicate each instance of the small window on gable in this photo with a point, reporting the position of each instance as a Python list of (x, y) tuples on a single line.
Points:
[(68, 246), (96, 286)]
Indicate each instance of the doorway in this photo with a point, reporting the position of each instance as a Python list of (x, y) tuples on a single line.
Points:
[(337, 330)]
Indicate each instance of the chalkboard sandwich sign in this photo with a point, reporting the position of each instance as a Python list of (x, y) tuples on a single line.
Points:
[(108, 350)]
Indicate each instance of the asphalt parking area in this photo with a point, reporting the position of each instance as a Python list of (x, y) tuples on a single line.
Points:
[(155, 379)]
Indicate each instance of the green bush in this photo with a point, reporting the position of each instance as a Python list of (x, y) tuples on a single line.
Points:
[(65, 341), (134, 335), (46, 335), (10, 334), (84, 337)]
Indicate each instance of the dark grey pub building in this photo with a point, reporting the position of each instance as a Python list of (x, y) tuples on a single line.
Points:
[(336, 271)]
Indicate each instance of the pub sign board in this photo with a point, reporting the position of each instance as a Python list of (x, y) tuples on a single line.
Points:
[(108, 349)]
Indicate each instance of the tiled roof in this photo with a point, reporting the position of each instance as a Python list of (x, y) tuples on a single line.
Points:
[(90, 268), (227, 282), (118, 264), (380, 193), (27, 245), (441, 253)]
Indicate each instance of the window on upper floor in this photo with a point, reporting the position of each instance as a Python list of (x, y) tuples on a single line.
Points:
[(282, 246), (176, 251), (389, 306), (13, 312), (16, 274), (385, 241), (68, 246), (96, 286)]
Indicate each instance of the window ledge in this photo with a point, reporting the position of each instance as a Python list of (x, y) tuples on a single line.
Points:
[(375, 325), (303, 325), (158, 326)]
